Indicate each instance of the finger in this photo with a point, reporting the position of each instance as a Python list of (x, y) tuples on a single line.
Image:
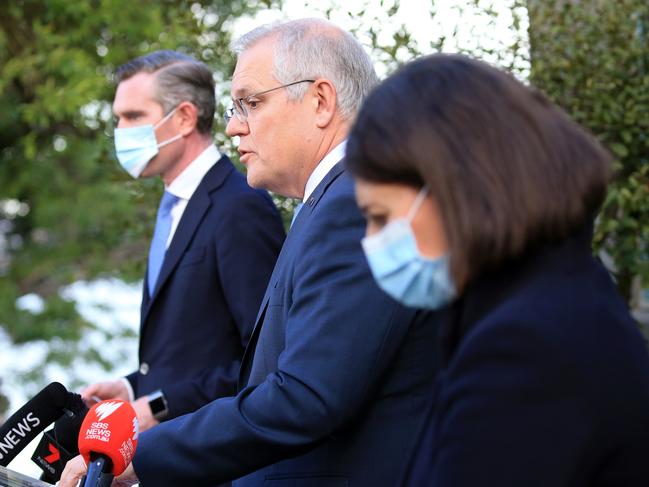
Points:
[(73, 472), (127, 478), (89, 391)]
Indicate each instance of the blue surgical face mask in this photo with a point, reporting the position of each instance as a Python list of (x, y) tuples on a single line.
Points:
[(136, 146), (401, 271)]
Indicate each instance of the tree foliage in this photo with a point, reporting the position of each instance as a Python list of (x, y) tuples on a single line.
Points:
[(592, 58)]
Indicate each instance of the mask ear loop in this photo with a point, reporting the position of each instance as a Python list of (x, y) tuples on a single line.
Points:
[(418, 202), (169, 141), (165, 118)]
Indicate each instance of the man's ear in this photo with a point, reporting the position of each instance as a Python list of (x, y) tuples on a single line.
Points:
[(324, 99), (187, 114)]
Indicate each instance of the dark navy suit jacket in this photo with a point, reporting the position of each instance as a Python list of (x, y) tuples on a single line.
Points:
[(335, 378), (545, 381), (195, 327)]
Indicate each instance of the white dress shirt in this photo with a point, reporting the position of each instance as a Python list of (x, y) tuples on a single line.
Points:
[(323, 168), (186, 183)]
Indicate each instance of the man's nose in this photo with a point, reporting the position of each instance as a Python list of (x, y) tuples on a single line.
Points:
[(236, 127)]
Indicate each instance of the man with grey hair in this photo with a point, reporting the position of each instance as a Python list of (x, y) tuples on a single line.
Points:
[(335, 379), (215, 243)]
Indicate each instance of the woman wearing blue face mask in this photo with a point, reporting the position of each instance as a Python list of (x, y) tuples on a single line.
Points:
[(398, 266), (480, 197)]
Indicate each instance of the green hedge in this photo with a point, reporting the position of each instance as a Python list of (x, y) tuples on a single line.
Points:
[(592, 58)]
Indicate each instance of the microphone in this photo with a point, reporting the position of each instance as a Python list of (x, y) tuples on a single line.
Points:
[(107, 441), (59, 445), (30, 420)]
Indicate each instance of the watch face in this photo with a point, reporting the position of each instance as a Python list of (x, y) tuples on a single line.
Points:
[(158, 405)]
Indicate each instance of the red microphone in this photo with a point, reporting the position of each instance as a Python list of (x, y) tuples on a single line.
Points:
[(107, 440)]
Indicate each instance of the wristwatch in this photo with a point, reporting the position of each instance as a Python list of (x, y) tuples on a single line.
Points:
[(158, 405)]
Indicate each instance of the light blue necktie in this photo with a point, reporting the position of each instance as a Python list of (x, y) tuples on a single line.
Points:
[(160, 236), (297, 210)]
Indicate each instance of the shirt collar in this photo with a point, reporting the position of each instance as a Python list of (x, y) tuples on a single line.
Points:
[(187, 181), (323, 168)]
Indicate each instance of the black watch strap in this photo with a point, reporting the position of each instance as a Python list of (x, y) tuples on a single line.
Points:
[(158, 405)]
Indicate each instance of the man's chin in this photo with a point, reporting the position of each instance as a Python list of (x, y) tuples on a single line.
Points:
[(254, 179), (148, 171), (254, 184)]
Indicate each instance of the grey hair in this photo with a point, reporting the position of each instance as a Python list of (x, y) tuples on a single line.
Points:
[(178, 78), (311, 49)]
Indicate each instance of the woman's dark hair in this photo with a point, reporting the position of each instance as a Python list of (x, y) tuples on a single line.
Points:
[(506, 167)]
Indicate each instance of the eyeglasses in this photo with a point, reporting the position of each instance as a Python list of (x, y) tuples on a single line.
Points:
[(242, 106)]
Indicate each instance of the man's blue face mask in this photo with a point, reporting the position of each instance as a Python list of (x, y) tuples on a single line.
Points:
[(401, 271), (136, 146)]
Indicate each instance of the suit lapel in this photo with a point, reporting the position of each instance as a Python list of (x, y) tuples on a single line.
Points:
[(286, 255), (196, 208), (313, 200)]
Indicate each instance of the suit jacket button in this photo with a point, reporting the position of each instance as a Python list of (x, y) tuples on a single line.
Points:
[(144, 368)]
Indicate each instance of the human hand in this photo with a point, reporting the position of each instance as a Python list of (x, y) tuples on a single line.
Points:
[(114, 389), (127, 478), (144, 415), (73, 471), (76, 468)]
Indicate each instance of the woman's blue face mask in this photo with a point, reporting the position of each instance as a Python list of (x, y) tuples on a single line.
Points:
[(401, 271)]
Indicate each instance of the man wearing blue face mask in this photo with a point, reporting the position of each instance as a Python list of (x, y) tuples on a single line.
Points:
[(136, 146), (213, 249)]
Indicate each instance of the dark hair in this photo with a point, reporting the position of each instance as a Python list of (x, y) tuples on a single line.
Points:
[(179, 78), (507, 168)]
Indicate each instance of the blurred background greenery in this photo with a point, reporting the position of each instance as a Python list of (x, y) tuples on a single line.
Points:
[(68, 213)]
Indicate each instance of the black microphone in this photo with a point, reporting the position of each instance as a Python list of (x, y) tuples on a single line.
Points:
[(59, 445), (30, 420)]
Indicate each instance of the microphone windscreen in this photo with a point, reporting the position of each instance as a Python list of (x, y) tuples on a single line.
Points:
[(110, 429), (59, 445), (30, 420), (68, 426)]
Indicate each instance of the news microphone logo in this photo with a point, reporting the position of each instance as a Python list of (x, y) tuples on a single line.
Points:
[(136, 428), (107, 408), (51, 457), (59, 444), (20, 430), (110, 430), (30, 420), (55, 454)]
